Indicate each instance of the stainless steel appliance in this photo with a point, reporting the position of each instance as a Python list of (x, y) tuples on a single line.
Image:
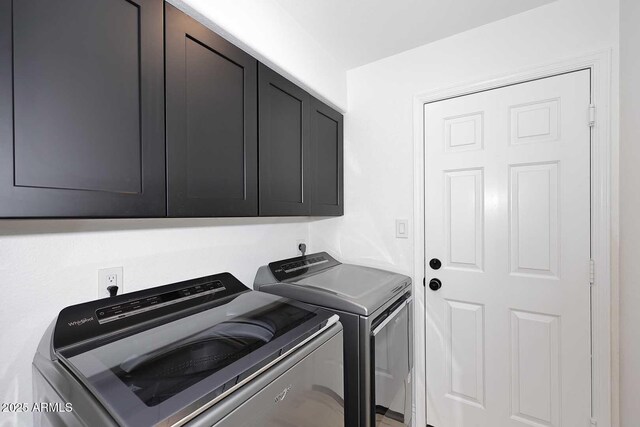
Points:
[(204, 352), (376, 311)]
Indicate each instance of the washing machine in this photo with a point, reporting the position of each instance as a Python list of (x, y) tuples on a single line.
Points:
[(202, 352)]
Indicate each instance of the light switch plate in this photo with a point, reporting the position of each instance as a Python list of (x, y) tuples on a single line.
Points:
[(402, 228)]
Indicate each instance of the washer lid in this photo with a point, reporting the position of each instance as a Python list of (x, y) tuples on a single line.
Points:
[(160, 365)]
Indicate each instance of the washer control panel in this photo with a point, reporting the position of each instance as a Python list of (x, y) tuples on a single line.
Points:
[(131, 308), (95, 322)]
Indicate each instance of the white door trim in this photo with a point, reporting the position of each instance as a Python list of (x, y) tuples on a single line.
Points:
[(600, 65)]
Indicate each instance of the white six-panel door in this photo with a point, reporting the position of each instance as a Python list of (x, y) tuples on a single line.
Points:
[(508, 215)]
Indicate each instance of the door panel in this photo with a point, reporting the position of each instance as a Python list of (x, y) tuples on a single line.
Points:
[(464, 329), (211, 122), (508, 213), (81, 110), (63, 138), (534, 219), (327, 136), (535, 368), (326, 161), (464, 133), (207, 100), (285, 149), (464, 219), (535, 122)]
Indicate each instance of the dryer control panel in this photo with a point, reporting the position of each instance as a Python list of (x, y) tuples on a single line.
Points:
[(294, 267)]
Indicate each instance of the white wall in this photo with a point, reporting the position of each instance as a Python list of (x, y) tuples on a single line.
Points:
[(379, 126), (47, 265), (265, 30), (629, 212)]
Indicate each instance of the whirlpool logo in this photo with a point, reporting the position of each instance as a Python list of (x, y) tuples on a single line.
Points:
[(81, 321), (279, 398)]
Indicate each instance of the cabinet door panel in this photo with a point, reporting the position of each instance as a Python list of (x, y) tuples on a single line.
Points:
[(285, 150), (285, 179), (211, 122), (327, 161), (81, 112)]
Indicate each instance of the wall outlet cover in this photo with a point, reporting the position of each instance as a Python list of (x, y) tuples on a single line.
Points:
[(113, 276)]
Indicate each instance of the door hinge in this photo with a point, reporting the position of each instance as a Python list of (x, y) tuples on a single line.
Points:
[(592, 272), (424, 282), (592, 115)]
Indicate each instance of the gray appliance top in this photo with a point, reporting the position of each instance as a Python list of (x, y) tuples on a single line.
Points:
[(321, 280), (162, 355)]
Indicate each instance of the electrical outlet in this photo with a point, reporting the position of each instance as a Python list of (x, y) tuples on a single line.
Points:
[(300, 242), (110, 277)]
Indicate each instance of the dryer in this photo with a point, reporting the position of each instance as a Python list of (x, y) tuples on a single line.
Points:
[(376, 311)]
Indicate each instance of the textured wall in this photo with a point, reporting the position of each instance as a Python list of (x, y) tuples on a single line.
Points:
[(379, 143), (265, 30), (47, 265), (629, 212)]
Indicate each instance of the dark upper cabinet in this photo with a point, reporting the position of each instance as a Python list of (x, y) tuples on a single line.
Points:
[(211, 122), (285, 146), (82, 119), (327, 136), (81, 108)]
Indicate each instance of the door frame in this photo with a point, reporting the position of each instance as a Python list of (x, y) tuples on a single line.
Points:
[(599, 63)]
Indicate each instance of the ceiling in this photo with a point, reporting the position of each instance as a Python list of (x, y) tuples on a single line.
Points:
[(357, 32)]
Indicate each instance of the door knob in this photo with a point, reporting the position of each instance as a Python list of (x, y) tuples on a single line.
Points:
[(435, 263), (435, 284)]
